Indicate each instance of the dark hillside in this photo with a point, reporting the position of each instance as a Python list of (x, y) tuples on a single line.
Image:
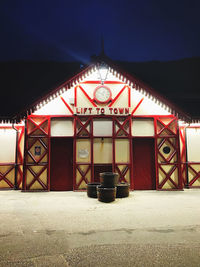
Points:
[(179, 81), (24, 82)]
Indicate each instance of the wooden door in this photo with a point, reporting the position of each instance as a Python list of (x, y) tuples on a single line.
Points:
[(144, 176), (61, 164)]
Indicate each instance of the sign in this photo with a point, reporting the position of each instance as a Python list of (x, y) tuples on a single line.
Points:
[(37, 150), (102, 111)]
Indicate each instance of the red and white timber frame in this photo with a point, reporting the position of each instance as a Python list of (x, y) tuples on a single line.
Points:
[(36, 165), (167, 153)]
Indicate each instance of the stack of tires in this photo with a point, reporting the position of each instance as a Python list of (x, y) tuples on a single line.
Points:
[(108, 188)]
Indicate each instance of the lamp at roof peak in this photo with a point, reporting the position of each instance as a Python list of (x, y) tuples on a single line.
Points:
[(103, 72)]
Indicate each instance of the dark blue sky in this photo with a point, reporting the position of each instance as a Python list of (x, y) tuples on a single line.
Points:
[(66, 30)]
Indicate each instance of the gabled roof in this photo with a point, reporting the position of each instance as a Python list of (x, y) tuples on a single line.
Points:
[(131, 80), (74, 77)]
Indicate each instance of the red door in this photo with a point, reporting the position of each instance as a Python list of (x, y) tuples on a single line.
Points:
[(144, 177), (61, 169)]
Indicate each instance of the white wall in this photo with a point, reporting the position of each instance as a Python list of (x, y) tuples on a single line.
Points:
[(7, 145), (62, 127), (147, 106), (143, 127), (56, 106), (102, 127), (193, 144)]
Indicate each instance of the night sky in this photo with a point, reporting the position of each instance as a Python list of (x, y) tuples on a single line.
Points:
[(71, 30)]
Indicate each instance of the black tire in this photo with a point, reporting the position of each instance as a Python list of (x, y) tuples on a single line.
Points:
[(106, 194), (92, 189), (108, 179), (122, 190)]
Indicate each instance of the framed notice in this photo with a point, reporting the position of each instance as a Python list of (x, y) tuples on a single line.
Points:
[(37, 150)]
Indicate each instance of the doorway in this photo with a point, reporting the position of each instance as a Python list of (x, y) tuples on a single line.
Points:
[(61, 164), (144, 175)]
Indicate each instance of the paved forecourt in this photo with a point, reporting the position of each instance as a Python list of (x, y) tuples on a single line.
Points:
[(69, 229)]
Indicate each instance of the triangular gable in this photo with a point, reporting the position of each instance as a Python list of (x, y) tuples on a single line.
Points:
[(59, 95)]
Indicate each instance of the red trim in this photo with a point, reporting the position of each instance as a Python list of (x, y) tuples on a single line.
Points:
[(83, 174), (37, 126), (20, 157), (28, 166), (75, 96), (49, 155), (167, 159), (168, 177), (123, 172), (180, 180), (25, 156), (89, 98), (38, 116), (121, 122), (128, 136), (113, 146), (193, 163), (131, 155), (83, 122), (74, 156), (83, 127), (20, 173), (121, 127), (156, 154), (41, 158), (117, 96), (54, 116), (166, 127), (36, 177), (3, 175), (139, 103), (196, 176), (67, 105), (92, 151), (129, 96)]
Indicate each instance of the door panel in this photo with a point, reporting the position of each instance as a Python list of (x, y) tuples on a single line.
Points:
[(144, 177), (61, 170)]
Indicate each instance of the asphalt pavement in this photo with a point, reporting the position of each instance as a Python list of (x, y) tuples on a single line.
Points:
[(150, 228)]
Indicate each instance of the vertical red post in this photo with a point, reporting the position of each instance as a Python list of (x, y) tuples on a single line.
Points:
[(156, 152), (49, 154), (74, 155)]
